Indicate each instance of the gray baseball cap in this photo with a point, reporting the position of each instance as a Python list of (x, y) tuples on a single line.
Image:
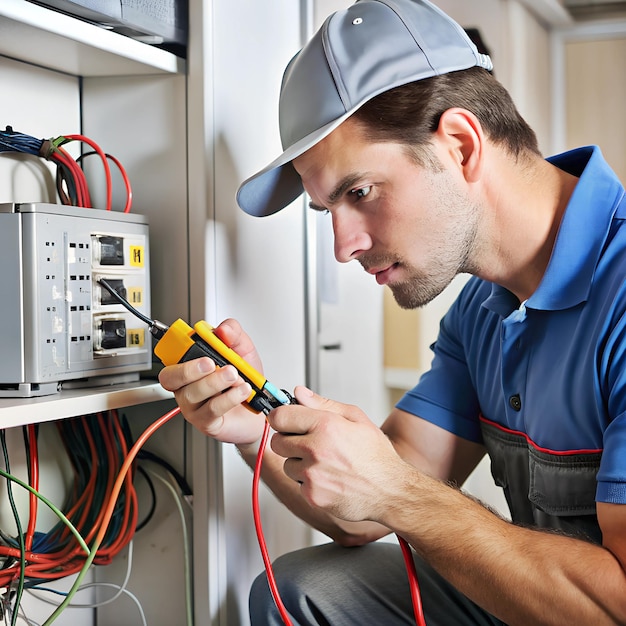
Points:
[(358, 53)]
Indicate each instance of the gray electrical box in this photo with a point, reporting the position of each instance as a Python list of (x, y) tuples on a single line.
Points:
[(58, 326)]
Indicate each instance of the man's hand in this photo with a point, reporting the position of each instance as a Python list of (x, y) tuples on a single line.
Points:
[(343, 462), (210, 397)]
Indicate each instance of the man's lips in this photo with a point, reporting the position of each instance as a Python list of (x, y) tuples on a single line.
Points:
[(382, 274)]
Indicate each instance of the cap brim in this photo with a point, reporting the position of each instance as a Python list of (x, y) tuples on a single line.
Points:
[(278, 184)]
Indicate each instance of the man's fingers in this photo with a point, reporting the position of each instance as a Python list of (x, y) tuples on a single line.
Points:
[(174, 377)]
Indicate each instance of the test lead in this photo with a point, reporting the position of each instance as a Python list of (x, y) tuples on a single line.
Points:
[(180, 342), (157, 329)]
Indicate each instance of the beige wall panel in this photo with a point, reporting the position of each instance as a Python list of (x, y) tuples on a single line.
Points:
[(595, 96), (401, 335)]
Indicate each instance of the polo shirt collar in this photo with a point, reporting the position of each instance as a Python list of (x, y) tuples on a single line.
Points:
[(582, 233)]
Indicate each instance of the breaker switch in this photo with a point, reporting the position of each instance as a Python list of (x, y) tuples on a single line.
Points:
[(113, 334), (118, 285), (110, 250)]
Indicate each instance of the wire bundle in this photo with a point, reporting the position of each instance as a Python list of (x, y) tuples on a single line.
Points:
[(71, 182), (97, 447)]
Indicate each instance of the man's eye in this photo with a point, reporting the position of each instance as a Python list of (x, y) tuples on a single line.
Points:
[(361, 192)]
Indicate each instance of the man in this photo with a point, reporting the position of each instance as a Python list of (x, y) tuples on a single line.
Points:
[(393, 124)]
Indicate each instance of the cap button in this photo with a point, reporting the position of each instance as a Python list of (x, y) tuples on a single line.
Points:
[(357, 20)]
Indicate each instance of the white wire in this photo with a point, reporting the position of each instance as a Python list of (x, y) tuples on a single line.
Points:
[(121, 589), (21, 616), (78, 605), (131, 595), (178, 499)]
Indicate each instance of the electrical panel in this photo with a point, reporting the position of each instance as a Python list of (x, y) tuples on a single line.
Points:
[(58, 326)]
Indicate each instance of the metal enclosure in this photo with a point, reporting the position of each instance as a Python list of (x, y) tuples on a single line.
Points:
[(59, 326)]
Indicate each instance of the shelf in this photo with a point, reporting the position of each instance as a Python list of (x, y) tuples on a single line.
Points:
[(401, 378), (73, 402), (38, 35)]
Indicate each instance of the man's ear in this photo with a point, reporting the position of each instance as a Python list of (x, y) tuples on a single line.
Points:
[(461, 133)]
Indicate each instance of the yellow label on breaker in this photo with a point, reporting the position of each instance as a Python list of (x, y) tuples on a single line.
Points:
[(135, 296), (136, 256), (135, 337)]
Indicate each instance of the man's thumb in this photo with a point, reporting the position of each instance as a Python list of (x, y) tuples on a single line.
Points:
[(312, 400)]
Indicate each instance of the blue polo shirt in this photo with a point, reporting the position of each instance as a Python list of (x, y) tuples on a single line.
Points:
[(549, 374)]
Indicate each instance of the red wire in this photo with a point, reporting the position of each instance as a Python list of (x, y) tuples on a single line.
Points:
[(40, 564), (129, 191), (105, 163), (82, 188), (60, 155), (129, 518), (34, 481), (130, 457), (70, 559), (406, 550), (413, 584), (256, 511), (82, 194)]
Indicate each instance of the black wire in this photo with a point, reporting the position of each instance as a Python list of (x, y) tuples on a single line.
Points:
[(126, 303), (27, 453), (150, 513), (27, 449), (65, 175), (146, 455)]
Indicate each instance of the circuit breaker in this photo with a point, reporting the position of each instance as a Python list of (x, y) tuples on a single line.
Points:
[(58, 326)]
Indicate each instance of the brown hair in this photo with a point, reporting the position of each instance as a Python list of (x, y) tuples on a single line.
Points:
[(410, 113)]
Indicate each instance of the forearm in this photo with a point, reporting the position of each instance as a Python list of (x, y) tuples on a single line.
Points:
[(522, 576), (288, 492)]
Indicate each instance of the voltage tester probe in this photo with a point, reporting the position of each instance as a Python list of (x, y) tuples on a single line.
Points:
[(180, 342)]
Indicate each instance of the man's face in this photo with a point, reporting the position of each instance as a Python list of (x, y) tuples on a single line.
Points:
[(412, 227)]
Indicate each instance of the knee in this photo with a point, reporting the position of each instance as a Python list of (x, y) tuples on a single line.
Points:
[(260, 602)]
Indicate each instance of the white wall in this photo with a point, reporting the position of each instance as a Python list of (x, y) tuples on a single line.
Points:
[(257, 264)]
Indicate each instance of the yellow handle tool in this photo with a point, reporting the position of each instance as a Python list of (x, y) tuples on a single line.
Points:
[(181, 343)]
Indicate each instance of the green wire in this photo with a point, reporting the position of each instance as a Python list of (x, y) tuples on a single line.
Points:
[(77, 583), (116, 489), (20, 533), (51, 506)]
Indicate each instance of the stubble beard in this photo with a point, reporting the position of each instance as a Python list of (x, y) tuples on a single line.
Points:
[(453, 257), (418, 291)]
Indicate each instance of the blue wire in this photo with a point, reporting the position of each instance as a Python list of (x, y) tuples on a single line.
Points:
[(10, 141)]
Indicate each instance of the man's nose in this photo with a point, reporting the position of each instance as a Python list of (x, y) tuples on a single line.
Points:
[(351, 238)]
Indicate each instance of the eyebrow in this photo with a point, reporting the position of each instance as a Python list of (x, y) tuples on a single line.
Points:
[(346, 183)]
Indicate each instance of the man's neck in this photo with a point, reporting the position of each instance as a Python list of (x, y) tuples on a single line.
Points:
[(527, 206)]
